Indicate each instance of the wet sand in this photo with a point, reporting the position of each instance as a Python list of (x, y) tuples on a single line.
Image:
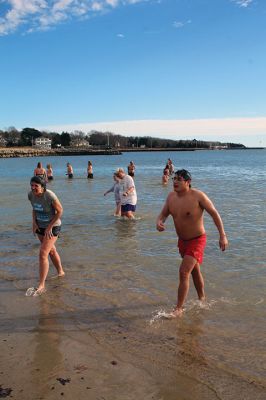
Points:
[(48, 351)]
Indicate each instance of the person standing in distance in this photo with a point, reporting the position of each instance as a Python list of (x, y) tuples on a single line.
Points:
[(116, 190), (46, 222), (187, 205), (69, 172), (49, 172), (131, 169), (129, 194), (40, 171), (89, 170)]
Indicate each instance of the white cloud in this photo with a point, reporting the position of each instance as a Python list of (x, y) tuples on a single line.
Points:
[(180, 24), (226, 129), (19, 12), (243, 3), (97, 6), (112, 3), (42, 14)]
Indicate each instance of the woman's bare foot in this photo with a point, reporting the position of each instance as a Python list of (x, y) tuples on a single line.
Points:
[(60, 275)]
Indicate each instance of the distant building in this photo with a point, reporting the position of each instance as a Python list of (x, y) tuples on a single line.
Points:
[(219, 147), (80, 143), (43, 143), (3, 142)]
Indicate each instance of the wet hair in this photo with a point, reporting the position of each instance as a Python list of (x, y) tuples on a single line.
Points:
[(117, 172), (49, 166), (39, 165), (39, 181), (184, 174)]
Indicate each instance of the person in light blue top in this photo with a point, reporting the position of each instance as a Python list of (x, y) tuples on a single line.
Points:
[(116, 190)]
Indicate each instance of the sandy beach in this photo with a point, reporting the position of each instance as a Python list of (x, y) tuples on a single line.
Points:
[(47, 352)]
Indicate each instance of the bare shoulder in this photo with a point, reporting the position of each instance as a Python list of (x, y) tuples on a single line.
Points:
[(198, 193), (170, 196)]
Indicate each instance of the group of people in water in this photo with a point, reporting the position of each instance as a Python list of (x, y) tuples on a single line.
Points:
[(48, 174), (185, 204), (168, 170)]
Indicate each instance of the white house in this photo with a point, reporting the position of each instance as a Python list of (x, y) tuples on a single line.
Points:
[(43, 142)]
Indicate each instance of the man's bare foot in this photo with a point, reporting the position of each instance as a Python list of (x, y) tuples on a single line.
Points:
[(177, 312), (203, 299)]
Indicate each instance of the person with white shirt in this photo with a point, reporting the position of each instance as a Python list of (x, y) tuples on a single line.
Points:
[(128, 195)]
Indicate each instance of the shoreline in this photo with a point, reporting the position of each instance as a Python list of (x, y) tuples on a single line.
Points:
[(16, 152)]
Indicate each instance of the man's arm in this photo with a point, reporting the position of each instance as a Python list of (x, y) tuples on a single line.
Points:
[(131, 187), (129, 190), (59, 211), (207, 205), (162, 217)]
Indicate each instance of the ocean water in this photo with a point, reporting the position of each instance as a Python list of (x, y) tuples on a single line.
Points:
[(125, 273)]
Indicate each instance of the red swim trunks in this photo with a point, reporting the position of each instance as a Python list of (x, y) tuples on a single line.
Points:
[(193, 247)]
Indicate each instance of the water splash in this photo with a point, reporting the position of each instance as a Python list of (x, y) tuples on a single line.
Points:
[(160, 315), (191, 305), (261, 300), (199, 305)]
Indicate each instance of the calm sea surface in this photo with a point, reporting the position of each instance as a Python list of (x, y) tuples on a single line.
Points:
[(131, 268)]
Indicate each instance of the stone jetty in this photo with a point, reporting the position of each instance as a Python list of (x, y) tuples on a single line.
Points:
[(10, 152)]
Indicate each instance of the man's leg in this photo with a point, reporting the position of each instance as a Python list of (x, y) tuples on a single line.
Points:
[(185, 270), (129, 215), (198, 281)]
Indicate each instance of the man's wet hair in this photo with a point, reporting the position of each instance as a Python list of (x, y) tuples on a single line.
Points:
[(184, 174), (39, 181)]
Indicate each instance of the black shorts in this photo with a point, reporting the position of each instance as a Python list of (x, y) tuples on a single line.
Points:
[(56, 230), (90, 176), (128, 207)]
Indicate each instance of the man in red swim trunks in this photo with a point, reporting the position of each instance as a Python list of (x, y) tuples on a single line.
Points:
[(186, 205)]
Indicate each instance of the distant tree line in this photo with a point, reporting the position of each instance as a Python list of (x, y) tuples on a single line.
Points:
[(12, 137)]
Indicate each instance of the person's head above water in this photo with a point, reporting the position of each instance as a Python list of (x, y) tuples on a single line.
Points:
[(38, 181), (183, 174)]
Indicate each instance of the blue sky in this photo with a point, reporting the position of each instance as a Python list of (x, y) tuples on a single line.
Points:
[(180, 69)]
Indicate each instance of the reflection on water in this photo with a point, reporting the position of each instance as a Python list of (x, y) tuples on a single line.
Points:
[(47, 355)]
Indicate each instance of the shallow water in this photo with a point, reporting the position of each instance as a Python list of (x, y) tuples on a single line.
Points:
[(125, 272)]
